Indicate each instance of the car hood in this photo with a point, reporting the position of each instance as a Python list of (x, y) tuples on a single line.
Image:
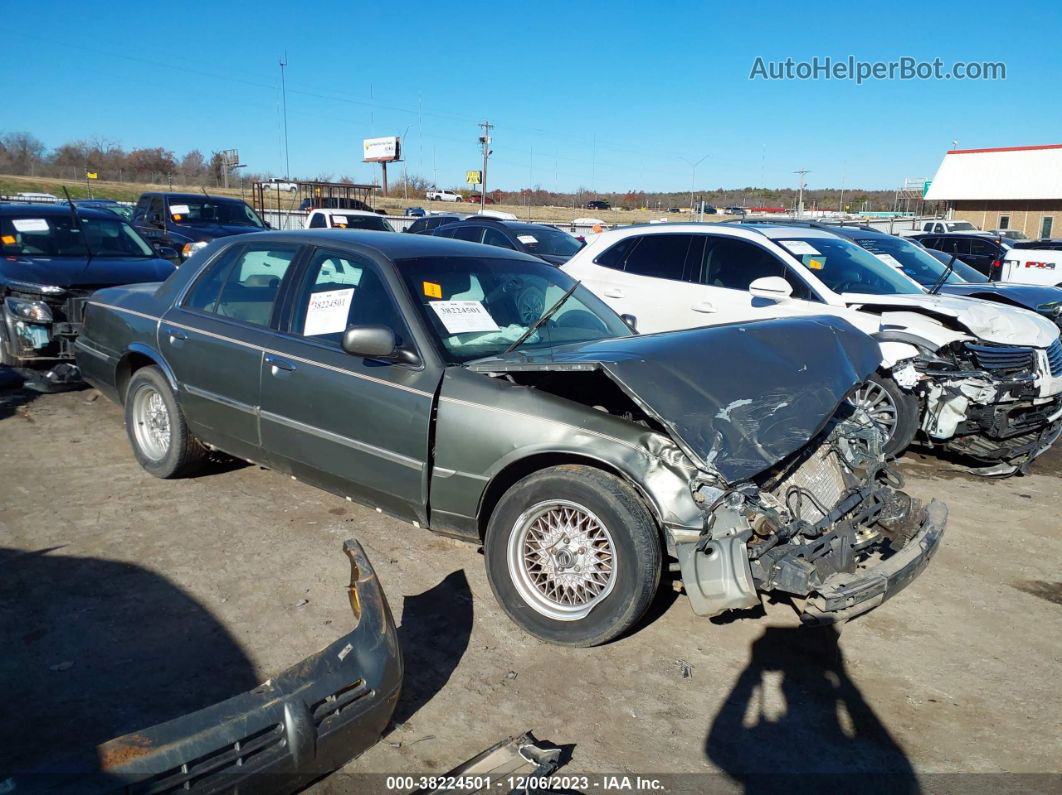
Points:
[(1030, 296), (737, 398), (79, 271), (210, 231), (991, 322)]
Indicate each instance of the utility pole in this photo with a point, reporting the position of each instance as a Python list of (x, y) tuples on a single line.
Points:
[(485, 141), (800, 197), (693, 178), (284, 96)]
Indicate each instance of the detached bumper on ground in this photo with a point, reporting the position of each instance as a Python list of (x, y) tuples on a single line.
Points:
[(843, 596), (306, 722)]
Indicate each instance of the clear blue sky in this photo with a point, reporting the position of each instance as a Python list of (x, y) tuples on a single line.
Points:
[(611, 95)]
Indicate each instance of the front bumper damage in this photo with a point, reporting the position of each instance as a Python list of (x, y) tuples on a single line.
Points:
[(43, 351), (830, 527), (306, 722)]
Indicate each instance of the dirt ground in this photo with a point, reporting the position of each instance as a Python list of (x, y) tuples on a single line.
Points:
[(238, 573)]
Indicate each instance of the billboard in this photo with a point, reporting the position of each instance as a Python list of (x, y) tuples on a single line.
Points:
[(381, 150)]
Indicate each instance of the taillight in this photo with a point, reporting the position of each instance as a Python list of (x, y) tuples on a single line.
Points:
[(997, 263)]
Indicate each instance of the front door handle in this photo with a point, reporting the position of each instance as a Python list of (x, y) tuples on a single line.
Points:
[(278, 363), (703, 306), (613, 292), (176, 335)]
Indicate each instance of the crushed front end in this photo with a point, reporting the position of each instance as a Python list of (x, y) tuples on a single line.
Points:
[(828, 525), (41, 324), (998, 404)]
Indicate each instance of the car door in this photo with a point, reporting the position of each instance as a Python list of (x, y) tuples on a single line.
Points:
[(214, 340), (644, 276), (983, 253), (356, 426)]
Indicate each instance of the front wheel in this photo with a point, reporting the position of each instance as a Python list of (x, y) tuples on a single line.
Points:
[(892, 410), (157, 431), (573, 555)]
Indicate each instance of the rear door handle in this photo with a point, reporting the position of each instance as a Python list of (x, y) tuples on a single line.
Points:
[(703, 306), (176, 335), (613, 292), (279, 364)]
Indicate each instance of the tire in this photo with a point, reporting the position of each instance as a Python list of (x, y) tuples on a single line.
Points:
[(896, 411), (149, 405), (613, 517)]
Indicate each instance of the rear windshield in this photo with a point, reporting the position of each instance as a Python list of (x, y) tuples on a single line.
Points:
[(373, 222), (547, 240)]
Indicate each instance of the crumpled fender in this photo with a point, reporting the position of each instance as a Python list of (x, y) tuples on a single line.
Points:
[(893, 352)]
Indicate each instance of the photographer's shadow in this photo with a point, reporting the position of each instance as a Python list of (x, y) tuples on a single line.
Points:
[(796, 722)]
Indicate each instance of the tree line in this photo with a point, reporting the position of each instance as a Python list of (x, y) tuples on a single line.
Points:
[(22, 154)]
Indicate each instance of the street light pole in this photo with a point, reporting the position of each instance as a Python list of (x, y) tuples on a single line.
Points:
[(800, 196), (693, 177), (284, 96)]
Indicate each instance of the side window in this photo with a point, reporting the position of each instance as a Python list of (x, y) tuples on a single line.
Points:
[(204, 294), (317, 221), (984, 248), (253, 282), (473, 234), (492, 237), (735, 264), (441, 232), (340, 291), (1045, 227), (157, 207), (659, 256), (1004, 222), (615, 256)]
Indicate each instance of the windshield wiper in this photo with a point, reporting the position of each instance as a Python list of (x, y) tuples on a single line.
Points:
[(81, 230), (541, 321), (935, 289)]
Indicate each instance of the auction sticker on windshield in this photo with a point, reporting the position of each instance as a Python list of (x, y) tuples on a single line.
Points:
[(527, 240), (327, 312), (179, 209), (29, 224), (799, 247), (459, 317), (888, 259)]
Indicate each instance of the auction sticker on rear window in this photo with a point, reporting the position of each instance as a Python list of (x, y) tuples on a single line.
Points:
[(327, 312), (29, 224), (799, 247), (459, 317)]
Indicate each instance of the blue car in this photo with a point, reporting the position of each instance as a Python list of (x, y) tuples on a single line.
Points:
[(189, 221), (416, 212)]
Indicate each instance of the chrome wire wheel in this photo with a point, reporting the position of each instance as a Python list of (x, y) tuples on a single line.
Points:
[(151, 423), (873, 399), (561, 559)]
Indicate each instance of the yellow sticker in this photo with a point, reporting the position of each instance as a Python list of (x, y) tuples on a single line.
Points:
[(8, 239), (816, 264), (176, 217), (432, 290)]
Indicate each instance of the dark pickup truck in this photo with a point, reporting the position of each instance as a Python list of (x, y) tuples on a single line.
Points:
[(188, 221)]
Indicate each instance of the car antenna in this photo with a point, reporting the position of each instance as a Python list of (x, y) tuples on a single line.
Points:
[(81, 229), (935, 289), (204, 191)]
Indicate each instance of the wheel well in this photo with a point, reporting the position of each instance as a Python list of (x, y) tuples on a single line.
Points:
[(128, 365), (518, 470)]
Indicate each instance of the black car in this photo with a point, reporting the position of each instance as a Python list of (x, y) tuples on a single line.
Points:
[(428, 224), (125, 211), (977, 249), (545, 242), (52, 261), (188, 221), (929, 267), (598, 204)]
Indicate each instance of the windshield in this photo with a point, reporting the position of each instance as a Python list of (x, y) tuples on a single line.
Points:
[(478, 307), (194, 211), (844, 267), (548, 241), (58, 236), (961, 226), (918, 263), (374, 222)]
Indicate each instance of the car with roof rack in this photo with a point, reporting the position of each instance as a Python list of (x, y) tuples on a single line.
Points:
[(484, 394), (981, 380)]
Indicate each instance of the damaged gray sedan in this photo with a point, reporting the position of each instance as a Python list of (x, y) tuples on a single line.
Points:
[(483, 394)]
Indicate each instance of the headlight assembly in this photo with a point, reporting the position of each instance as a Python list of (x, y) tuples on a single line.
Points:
[(190, 248), (35, 311)]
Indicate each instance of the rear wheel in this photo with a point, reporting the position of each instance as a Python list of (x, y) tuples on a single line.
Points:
[(573, 555), (892, 410), (157, 431)]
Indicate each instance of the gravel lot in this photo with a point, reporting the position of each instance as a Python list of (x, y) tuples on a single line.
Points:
[(126, 600)]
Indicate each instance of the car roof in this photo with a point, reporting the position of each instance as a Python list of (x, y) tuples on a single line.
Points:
[(389, 244), (344, 211), (506, 222), (53, 210), (170, 195)]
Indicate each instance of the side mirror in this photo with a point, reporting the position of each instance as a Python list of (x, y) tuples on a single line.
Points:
[(166, 252), (267, 224), (154, 218), (631, 321), (774, 288), (376, 342)]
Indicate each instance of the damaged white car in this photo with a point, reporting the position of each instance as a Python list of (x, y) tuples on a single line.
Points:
[(982, 380)]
